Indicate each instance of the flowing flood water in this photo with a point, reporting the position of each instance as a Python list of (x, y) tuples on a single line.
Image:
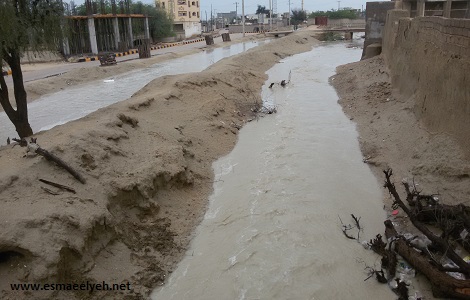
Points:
[(272, 229), (74, 103)]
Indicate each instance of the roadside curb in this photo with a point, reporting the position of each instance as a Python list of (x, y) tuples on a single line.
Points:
[(120, 54), (92, 58), (6, 73)]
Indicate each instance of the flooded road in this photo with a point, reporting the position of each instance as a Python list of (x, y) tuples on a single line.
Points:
[(272, 228), (74, 103)]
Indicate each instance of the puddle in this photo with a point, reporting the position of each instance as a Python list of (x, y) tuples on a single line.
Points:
[(272, 229), (74, 103)]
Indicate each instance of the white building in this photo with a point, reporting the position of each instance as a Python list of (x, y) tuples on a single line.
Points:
[(185, 14)]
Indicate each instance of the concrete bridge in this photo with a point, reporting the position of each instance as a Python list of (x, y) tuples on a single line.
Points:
[(278, 33), (348, 31)]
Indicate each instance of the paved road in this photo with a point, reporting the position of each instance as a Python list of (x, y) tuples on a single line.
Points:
[(41, 71)]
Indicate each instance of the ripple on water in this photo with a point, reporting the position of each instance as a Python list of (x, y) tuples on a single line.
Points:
[(297, 172)]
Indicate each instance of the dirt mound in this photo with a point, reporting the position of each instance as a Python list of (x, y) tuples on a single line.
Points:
[(148, 163)]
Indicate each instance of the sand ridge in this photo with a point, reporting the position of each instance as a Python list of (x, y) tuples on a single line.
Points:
[(37, 88), (147, 161)]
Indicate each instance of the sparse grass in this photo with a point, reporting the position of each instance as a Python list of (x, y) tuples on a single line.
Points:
[(330, 36)]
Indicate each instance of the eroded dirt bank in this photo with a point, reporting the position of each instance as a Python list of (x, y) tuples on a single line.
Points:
[(147, 161)]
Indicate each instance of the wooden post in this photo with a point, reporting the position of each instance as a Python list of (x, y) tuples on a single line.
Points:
[(144, 48), (226, 37), (209, 40)]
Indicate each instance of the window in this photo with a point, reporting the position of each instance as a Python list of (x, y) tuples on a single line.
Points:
[(182, 14), (163, 4), (193, 3), (181, 2), (194, 14), (198, 14)]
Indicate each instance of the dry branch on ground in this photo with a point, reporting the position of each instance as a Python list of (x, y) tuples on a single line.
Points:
[(34, 147)]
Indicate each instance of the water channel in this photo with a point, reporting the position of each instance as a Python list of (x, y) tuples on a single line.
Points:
[(71, 104), (272, 229)]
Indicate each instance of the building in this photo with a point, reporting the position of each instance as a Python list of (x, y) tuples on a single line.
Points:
[(448, 8), (227, 18), (185, 14)]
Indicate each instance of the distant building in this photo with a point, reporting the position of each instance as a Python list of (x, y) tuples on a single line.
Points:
[(185, 14), (448, 9), (227, 18)]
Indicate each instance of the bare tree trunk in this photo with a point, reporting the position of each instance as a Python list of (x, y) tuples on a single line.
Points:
[(18, 117)]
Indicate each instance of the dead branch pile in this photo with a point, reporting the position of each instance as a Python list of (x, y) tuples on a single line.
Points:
[(437, 259)]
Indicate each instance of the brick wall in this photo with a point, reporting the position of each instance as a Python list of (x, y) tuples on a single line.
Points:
[(376, 14), (452, 35), (429, 60)]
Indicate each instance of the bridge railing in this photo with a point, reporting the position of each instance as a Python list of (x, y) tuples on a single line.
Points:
[(341, 23)]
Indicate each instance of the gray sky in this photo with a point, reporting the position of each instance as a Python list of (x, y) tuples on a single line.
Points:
[(282, 5)]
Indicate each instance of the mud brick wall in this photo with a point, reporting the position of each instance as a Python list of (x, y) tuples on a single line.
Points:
[(376, 14), (429, 59)]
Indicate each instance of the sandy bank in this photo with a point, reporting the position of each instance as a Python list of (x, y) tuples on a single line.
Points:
[(147, 162), (391, 136)]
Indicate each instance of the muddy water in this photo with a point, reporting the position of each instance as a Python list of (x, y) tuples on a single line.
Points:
[(272, 229), (77, 102)]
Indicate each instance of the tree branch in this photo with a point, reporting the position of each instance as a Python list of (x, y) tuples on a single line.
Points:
[(441, 243)]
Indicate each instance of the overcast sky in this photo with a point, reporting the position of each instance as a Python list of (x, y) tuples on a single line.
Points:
[(251, 5)]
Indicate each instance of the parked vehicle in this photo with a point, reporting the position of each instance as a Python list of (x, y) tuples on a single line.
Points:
[(108, 58)]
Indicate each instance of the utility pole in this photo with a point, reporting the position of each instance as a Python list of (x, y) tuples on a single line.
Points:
[(236, 12), (243, 17), (212, 19), (339, 4), (207, 25), (288, 21), (270, 15), (302, 5)]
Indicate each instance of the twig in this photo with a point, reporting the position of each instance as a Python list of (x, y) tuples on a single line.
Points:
[(346, 228), (357, 221), (51, 157), (49, 191), (34, 147), (58, 185)]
